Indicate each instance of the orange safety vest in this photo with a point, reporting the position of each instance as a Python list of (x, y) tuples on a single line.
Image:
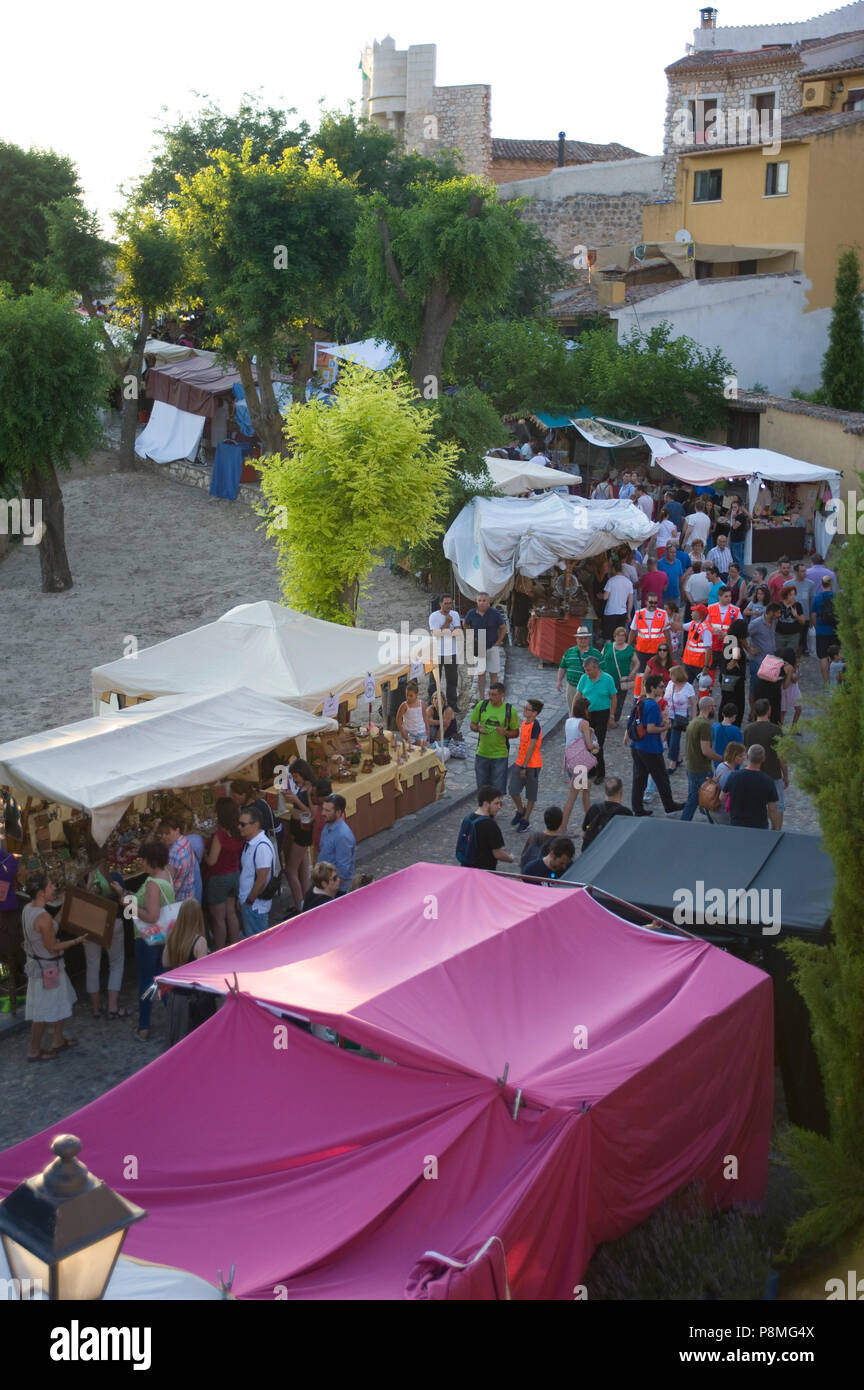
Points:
[(648, 633), (714, 617), (695, 652), (524, 739)]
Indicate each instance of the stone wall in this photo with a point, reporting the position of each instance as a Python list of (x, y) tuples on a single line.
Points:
[(196, 475), (589, 219), (465, 123)]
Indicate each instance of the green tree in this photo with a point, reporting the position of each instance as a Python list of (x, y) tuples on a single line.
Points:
[(187, 145), (830, 978), (521, 364), (31, 181), (269, 243), (452, 248), (54, 381), (373, 159), (843, 363), (144, 271), (364, 474)]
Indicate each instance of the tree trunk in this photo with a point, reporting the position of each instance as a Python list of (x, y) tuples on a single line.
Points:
[(439, 315), (42, 485), (305, 364), (131, 394), (269, 425), (349, 597)]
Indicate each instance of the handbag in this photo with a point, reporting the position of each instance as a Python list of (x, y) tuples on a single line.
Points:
[(771, 668), (157, 933), (680, 721), (710, 795), (575, 757), (50, 976)]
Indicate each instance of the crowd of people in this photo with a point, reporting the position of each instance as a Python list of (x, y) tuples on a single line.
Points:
[(712, 661)]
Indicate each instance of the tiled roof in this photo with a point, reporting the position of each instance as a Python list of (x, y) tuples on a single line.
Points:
[(584, 299), (844, 64), (575, 151), (831, 40), (851, 420), (797, 127), (761, 57)]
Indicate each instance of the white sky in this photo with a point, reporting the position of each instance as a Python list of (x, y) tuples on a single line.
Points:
[(89, 79)]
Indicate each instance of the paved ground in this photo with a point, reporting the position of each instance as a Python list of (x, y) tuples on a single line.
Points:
[(130, 538)]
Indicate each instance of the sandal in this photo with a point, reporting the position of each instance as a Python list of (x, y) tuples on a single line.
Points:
[(119, 1013), (43, 1056), (67, 1042)]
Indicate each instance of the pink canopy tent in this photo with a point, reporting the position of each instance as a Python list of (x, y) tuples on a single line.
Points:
[(640, 1061)]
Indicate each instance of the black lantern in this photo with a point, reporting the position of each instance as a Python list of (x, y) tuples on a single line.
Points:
[(65, 1228)]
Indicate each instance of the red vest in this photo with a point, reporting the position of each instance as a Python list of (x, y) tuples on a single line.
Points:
[(524, 740), (695, 652), (714, 617), (648, 633)]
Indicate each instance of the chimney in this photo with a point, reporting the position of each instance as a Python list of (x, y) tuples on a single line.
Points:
[(709, 18), (561, 135)]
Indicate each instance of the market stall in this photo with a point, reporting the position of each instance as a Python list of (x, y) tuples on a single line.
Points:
[(515, 477)]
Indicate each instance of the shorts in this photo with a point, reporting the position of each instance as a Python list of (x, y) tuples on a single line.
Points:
[(528, 788), (493, 660), (301, 834), (220, 888), (823, 643)]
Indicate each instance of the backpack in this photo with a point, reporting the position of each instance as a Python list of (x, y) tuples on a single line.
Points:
[(710, 795), (508, 711), (466, 843), (600, 822), (635, 727), (826, 615), (270, 889)]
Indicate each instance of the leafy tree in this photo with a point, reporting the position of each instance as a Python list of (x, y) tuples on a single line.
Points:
[(831, 978), (187, 144), (32, 181), (145, 270), (365, 473), (269, 242), (452, 248), (651, 378), (54, 381), (843, 363), (521, 364), (540, 270), (374, 160)]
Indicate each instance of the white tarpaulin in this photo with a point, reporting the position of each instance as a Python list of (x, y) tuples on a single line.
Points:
[(596, 433), (169, 434), (276, 650), (494, 538), (372, 352), (100, 765), (512, 476)]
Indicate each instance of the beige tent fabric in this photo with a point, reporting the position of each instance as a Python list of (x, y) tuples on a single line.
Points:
[(676, 252)]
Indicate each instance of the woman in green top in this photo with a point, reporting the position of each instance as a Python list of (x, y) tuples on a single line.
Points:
[(621, 662), (155, 892)]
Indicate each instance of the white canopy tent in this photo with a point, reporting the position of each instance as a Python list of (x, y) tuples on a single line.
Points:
[(100, 765), (371, 352), (493, 539), (514, 476), (278, 651)]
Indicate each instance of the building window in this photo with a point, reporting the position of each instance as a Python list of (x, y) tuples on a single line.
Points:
[(776, 179), (854, 100), (703, 117), (707, 186), (764, 101)]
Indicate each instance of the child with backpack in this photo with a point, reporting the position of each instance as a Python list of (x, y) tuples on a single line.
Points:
[(480, 844)]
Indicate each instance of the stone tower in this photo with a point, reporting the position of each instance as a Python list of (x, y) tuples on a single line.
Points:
[(399, 94)]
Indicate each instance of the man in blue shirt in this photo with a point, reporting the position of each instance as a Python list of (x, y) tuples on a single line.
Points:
[(647, 752), (337, 840), (485, 619), (675, 509), (823, 617), (674, 565)]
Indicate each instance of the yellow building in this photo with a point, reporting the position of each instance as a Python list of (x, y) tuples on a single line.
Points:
[(788, 196)]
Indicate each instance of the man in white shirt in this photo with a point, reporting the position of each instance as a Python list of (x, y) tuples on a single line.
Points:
[(442, 625), (697, 586), (257, 867), (526, 450), (618, 595), (644, 502), (696, 526), (721, 555)]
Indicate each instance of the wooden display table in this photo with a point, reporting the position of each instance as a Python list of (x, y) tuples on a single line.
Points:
[(370, 802), (770, 542), (549, 638), (418, 783)]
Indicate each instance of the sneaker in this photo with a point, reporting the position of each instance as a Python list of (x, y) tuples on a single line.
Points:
[(523, 826), (643, 813), (517, 820)]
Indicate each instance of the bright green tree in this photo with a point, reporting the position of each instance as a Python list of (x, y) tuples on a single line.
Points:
[(269, 243), (364, 474), (31, 182), (452, 248), (843, 363), (830, 978), (54, 381)]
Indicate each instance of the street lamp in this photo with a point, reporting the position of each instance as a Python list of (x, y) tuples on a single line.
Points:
[(65, 1228)]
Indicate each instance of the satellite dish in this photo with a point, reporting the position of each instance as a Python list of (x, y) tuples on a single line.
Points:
[(683, 235), (640, 251)]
